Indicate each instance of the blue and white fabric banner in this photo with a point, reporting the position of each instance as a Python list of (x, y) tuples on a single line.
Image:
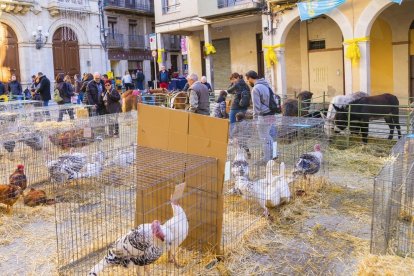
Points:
[(397, 1), (311, 9)]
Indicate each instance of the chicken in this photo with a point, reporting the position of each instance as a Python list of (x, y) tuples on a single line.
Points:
[(66, 166), (18, 178), (9, 146), (309, 163), (37, 197), (33, 140), (239, 171), (124, 158), (72, 139), (9, 194), (145, 244)]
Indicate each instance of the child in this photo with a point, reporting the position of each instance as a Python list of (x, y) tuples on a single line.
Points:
[(239, 133), (220, 109)]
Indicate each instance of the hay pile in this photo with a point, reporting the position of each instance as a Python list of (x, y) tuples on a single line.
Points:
[(386, 265)]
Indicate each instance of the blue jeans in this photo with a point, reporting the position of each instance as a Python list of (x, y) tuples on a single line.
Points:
[(80, 98), (233, 112), (46, 103), (46, 113)]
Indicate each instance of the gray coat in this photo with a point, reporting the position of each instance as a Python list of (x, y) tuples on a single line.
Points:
[(260, 97), (199, 99)]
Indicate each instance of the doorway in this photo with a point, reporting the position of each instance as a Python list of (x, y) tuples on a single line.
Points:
[(9, 53), (65, 52)]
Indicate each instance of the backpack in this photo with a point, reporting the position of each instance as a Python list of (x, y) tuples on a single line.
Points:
[(244, 99), (273, 105), (56, 96)]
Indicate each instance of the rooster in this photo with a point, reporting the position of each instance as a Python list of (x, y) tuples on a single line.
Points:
[(37, 197), (145, 244), (9, 194), (18, 178), (309, 163)]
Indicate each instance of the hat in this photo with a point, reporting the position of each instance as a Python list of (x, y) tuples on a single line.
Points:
[(252, 74)]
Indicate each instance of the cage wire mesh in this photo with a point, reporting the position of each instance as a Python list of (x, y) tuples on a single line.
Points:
[(17, 105), (102, 209), (38, 145), (393, 205), (253, 184)]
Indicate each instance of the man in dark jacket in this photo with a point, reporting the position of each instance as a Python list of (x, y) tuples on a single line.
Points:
[(164, 78), (94, 90), (43, 89), (241, 98), (15, 87), (140, 77), (2, 89), (199, 97)]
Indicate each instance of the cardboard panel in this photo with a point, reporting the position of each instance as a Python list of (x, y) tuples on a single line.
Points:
[(153, 137), (209, 127)]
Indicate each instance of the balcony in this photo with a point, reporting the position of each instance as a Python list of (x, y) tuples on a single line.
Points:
[(129, 6), (115, 40), (210, 9), (16, 7), (136, 41), (57, 7)]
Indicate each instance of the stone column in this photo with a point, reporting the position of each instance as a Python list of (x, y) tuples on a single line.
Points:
[(281, 82), (209, 58), (348, 73), (268, 39), (364, 67)]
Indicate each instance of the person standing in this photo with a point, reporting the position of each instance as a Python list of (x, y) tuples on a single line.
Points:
[(263, 100), (140, 79), (127, 81), (66, 92), (2, 89), (77, 88), (204, 81), (94, 90), (164, 78), (241, 96), (71, 87), (199, 100), (15, 88), (220, 108), (43, 89), (111, 100)]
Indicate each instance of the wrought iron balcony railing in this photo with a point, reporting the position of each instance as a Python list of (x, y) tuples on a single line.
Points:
[(115, 40), (136, 41), (232, 3), (145, 6)]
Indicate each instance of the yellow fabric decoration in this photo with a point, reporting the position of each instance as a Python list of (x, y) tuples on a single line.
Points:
[(210, 49), (4, 98), (110, 75), (160, 54), (270, 55), (353, 52)]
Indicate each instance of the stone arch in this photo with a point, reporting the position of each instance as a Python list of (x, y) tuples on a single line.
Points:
[(289, 19), (368, 16), (17, 26), (76, 28)]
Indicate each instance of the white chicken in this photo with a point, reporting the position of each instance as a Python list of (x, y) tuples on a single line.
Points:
[(124, 158), (309, 163), (145, 244)]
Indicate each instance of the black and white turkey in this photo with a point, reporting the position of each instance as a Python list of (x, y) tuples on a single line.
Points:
[(309, 163)]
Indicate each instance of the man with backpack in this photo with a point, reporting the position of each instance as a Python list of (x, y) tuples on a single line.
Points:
[(264, 104)]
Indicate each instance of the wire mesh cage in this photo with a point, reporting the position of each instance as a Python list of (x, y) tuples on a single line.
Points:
[(271, 161), (37, 146), (171, 233), (393, 205), (10, 106)]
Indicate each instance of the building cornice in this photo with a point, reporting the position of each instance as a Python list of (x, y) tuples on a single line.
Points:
[(16, 7)]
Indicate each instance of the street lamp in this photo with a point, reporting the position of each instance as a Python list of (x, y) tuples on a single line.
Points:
[(40, 37)]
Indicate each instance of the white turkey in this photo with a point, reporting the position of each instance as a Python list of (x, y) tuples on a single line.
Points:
[(145, 244), (309, 163)]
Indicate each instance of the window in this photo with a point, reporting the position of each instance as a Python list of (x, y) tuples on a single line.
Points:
[(317, 44), (112, 25), (132, 27), (170, 6), (153, 27)]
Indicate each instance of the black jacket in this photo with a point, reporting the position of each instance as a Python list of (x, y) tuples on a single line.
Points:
[(44, 89), (2, 89), (15, 88), (92, 92), (111, 101), (241, 92), (65, 91)]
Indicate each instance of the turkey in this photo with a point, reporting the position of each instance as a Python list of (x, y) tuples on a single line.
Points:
[(145, 244), (309, 163)]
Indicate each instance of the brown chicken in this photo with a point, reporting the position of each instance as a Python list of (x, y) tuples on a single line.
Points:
[(9, 194), (37, 197), (71, 139), (18, 178)]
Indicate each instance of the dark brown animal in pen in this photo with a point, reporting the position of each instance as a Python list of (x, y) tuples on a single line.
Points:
[(9, 194), (37, 197), (291, 106), (179, 100), (158, 91), (18, 178), (129, 101), (384, 106)]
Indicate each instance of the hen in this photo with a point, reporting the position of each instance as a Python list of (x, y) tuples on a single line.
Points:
[(18, 178), (9, 194), (124, 158), (37, 197), (145, 244), (309, 163)]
